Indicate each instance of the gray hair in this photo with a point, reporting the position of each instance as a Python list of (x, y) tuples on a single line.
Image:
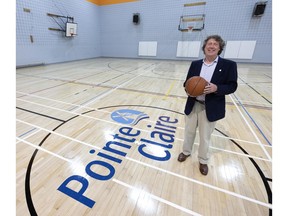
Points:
[(216, 38)]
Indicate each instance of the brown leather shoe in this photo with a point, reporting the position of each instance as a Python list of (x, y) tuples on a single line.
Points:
[(203, 169), (182, 157)]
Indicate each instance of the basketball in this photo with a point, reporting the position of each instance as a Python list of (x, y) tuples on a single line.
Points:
[(195, 85)]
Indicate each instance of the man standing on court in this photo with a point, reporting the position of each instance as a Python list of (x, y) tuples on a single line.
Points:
[(203, 111)]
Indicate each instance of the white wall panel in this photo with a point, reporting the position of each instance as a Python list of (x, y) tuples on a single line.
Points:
[(188, 48), (246, 49), (232, 49), (240, 49), (147, 48)]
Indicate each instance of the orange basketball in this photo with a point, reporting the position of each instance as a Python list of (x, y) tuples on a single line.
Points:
[(195, 86)]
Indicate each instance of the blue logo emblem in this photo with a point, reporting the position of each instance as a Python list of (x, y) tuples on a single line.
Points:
[(127, 116)]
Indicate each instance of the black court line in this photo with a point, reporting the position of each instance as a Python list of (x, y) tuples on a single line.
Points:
[(255, 90), (40, 114), (29, 199), (263, 177)]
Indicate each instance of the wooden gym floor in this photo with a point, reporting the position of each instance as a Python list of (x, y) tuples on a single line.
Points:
[(102, 137)]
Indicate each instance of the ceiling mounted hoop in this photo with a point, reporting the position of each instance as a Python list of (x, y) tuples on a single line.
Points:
[(193, 15)]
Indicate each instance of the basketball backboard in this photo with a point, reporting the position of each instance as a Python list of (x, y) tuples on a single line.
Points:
[(196, 22), (71, 29)]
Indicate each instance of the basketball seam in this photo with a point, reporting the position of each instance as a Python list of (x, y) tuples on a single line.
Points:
[(195, 86)]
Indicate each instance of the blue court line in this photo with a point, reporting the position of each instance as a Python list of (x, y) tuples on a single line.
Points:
[(253, 120), (27, 132)]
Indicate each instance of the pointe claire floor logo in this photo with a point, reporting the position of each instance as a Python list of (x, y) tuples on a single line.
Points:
[(128, 116), (155, 144)]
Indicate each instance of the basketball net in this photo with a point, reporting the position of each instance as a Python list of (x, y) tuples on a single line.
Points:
[(190, 29)]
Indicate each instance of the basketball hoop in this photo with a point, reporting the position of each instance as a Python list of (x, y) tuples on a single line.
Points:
[(190, 29)]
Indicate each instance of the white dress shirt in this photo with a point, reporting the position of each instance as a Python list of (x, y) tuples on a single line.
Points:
[(207, 71)]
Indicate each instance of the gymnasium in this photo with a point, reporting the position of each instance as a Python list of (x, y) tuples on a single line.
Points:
[(100, 108)]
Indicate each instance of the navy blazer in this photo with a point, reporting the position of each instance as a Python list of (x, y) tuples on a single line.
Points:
[(225, 77)]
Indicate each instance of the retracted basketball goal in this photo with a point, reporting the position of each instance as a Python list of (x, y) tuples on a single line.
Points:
[(70, 27), (189, 21)]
